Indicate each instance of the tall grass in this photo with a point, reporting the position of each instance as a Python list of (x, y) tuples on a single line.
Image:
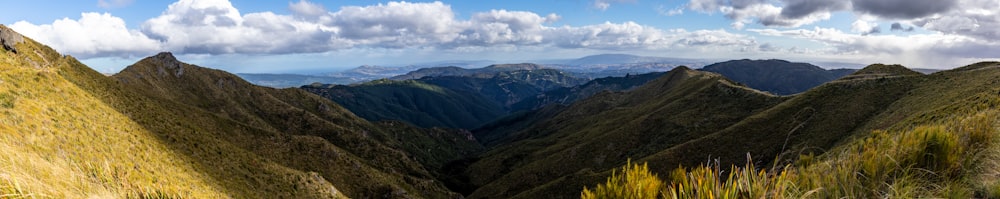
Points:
[(956, 159), (634, 181)]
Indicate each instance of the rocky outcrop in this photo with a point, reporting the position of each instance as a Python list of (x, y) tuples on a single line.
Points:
[(167, 61), (9, 38)]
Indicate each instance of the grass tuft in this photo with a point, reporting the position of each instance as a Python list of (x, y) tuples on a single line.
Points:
[(950, 160)]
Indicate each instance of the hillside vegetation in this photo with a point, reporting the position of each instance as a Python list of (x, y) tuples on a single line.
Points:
[(465, 99), (831, 117), (163, 128)]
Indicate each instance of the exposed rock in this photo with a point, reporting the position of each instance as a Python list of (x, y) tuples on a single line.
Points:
[(9, 38), (167, 61)]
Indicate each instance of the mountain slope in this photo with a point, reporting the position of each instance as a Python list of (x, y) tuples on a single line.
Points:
[(464, 100), (162, 128), (57, 139), (776, 76), (822, 119), (602, 131), (413, 101), (286, 120)]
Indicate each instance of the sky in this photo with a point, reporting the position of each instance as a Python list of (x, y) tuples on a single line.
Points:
[(246, 36)]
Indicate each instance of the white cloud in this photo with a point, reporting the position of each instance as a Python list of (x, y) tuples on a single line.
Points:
[(605, 4), (751, 11), (662, 10), (921, 50), (865, 27), (93, 35), (308, 9), (216, 27)]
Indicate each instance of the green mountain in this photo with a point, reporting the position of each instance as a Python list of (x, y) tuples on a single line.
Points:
[(445, 101), (163, 128), (776, 76), (412, 101), (558, 154), (689, 118)]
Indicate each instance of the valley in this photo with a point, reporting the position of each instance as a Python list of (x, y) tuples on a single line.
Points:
[(164, 128)]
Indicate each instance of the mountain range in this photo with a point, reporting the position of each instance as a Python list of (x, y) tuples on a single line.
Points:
[(162, 128)]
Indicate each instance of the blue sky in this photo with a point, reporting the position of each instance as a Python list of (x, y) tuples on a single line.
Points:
[(298, 36)]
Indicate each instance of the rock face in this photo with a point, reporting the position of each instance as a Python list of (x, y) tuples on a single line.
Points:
[(9, 38), (168, 62)]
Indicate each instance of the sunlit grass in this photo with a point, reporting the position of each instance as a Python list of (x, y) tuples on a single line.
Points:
[(955, 159)]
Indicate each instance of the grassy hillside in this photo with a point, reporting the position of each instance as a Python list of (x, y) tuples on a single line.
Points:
[(556, 154), (163, 128), (776, 76), (306, 131)]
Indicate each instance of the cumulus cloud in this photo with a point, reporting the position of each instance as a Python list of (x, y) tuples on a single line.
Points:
[(305, 8), (743, 12), (802, 8), (92, 35), (216, 27), (923, 50), (865, 27), (902, 9), (899, 27)]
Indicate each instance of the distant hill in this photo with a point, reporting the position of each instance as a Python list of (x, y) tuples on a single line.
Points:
[(291, 80), (776, 76), (416, 102), (463, 72), (568, 95), (473, 96)]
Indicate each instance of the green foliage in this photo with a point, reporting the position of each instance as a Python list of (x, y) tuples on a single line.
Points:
[(633, 181), (943, 160)]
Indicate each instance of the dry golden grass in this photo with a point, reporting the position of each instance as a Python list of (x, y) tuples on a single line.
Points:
[(57, 141)]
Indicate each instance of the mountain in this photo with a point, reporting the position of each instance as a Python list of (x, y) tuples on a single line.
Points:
[(164, 128), (291, 80), (458, 71), (369, 72), (686, 118), (776, 76), (416, 102), (371, 150), (473, 97), (600, 132)]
